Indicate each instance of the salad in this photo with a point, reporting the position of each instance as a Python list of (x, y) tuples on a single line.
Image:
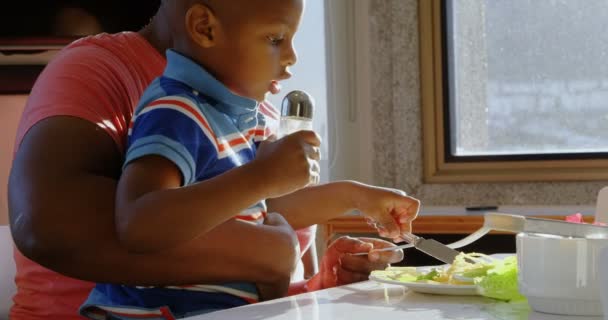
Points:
[(494, 278)]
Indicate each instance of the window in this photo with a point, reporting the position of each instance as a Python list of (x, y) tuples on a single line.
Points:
[(514, 90), (333, 66)]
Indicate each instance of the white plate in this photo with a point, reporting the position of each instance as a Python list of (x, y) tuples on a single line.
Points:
[(438, 288), (433, 288)]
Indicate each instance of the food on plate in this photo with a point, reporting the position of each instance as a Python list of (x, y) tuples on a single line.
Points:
[(462, 271), (494, 278)]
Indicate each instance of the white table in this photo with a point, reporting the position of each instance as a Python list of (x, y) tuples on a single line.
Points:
[(371, 300)]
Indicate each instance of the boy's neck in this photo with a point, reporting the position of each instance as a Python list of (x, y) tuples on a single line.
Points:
[(157, 33)]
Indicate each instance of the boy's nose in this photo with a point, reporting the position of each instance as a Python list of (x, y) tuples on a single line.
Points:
[(290, 57)]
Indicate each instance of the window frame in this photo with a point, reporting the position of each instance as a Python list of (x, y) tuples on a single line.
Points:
[(439, 165), (348, 85)]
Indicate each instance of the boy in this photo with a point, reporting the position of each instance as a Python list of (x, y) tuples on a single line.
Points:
[(195, 157)]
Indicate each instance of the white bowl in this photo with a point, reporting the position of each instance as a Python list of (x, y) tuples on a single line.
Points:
[(560, 275)]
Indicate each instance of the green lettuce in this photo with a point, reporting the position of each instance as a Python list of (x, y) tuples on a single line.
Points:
[(500, 281), (431, 275)]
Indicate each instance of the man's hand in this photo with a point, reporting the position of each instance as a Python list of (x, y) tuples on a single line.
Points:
[(339, 267), (289, 260), (276, 220)]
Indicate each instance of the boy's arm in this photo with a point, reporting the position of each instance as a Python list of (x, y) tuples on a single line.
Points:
[(317, 204), (154, 213), (310, 205), (168, 149), (61, 206)]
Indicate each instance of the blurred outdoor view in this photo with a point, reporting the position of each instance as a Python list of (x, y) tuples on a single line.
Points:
[(528, 76)]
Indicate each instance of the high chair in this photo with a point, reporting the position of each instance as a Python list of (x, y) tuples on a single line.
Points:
[(7, 271)]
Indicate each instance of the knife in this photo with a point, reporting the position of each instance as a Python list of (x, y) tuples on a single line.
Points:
[(431, 247)]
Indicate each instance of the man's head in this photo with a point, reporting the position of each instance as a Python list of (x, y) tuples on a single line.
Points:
[(246, 44)]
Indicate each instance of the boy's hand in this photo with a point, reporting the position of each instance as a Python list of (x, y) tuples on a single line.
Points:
[(389, 210), (290, 163)]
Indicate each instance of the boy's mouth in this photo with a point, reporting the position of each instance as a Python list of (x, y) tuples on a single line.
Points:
[(274, 87)]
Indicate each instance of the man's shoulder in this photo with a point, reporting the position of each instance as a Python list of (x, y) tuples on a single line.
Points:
[(104, 40), (112, 51), (105, 62)]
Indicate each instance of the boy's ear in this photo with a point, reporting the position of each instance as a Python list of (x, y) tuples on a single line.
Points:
[(202, 25)]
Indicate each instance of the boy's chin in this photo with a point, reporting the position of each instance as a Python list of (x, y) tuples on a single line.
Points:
[(258, 96), (264, 96)]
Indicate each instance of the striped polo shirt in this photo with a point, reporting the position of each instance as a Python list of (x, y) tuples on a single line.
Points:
[(190, 118)]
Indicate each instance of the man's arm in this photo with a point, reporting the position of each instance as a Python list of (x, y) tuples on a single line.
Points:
[(61, 205)]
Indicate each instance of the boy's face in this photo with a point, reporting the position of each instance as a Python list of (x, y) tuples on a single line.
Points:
[(252, 51)]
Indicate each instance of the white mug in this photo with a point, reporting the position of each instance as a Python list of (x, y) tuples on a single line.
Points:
[(602, 269)]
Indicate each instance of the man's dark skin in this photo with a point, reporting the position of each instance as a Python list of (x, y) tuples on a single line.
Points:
[(61, 207)]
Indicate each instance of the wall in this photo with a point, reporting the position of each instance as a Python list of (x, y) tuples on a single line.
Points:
[(10, 112), (397, 132)]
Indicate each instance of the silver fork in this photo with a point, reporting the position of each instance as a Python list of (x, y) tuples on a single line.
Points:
[(410, 238)]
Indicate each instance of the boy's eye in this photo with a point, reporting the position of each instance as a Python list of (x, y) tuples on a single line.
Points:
[(275, 41)]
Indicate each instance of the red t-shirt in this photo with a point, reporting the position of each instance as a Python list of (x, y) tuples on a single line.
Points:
[(99, 79)]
